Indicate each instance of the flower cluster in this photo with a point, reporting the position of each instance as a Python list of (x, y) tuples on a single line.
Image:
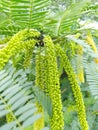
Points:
[(75, 88), (27, 59), (39, 124), (80, 71), (17, 43), (29, 47), (40, 82), (53, 85), (90, 41), (40, 68)]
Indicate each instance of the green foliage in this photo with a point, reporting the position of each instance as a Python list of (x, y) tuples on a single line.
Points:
[(18, 14), (43, 99), (66, 19), (16, 99), (18, 92), (92, 76)]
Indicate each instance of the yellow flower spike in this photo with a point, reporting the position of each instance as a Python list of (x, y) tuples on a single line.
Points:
[(28, 53), (90, 41), (40, 59), (80, 71), (79, 60), (17, 43), (75, 88), (40, 82), (53, 85), (39, 124), (28, 56)]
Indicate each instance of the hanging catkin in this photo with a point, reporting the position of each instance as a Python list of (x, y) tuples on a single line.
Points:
[(53, 85), (28, 53), (75, 88), (40, 59), (17, 43), (90, 41), (79, 61), (27, 59), (39, 124)]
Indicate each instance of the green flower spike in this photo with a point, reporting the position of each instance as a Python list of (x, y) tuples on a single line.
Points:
[(53, 85), (75, 88), (17, 43), (39, 124)]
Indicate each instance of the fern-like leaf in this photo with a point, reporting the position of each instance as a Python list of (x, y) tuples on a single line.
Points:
[(62, 21), (17, 99), (86, 48), (92, 78), (18, 14)]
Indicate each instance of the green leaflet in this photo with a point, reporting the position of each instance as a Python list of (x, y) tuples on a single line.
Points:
[(10, 101)]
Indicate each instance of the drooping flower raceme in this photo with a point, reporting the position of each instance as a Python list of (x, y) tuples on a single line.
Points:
[(53, 85), (17, 43), (79, 61), (75, 88)]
